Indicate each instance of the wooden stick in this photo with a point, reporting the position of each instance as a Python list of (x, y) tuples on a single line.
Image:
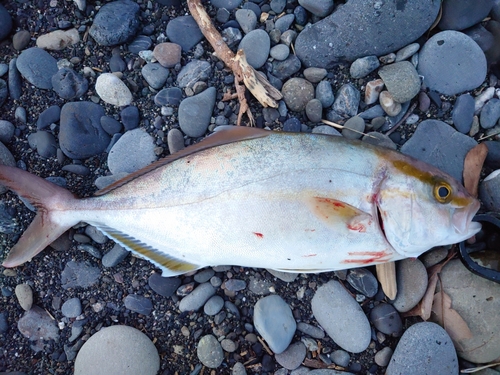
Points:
[(386, 274), (338, 126), (243, 72)]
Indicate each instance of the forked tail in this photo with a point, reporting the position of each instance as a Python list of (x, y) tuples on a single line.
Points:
[(50, 200)]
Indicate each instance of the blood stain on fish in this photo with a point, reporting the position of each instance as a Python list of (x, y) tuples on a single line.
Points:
[(374, 256), (259, 235)]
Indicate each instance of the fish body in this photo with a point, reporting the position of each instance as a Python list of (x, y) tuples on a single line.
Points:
[(248, 197)]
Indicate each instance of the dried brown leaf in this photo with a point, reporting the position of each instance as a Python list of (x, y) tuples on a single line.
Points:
[(450, 319), (472, 167)]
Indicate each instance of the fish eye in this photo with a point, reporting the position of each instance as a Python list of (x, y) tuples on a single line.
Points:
[(442, 192)]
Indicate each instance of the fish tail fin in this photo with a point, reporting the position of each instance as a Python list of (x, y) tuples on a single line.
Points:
[(48, 225)]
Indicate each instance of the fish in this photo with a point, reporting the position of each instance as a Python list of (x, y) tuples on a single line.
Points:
[(293, 202)]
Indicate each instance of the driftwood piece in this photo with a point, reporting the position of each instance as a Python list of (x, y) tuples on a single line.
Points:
[(243, 72), (386, 274)]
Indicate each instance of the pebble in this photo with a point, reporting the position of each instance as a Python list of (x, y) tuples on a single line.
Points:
[(314, 110), (363, 66), (21, 39), (341, 358), (401, 80), (168, 54), (138, 304), (314, 75), (292, 357), (133, 151), (48, 116), (386, 319), (256, 45), (116, 23), (320, 8), (310, 330), (324, 93), (280, 52), (6, 131), (140, 43), (213, 306), (363, 281), (44, 143), (195, 113), (130, 117), (37, 66), (4, 68), (347, 101), (274, 320), (204, 275), (388, 104), (131, 351), (95, 234), (164, 286), (71, 308), (287, 277), (438, 144), (369, 31), (424, 348), (24, 295), (15, 84), (209, 351), (38, 326), (79, 274), (463, 113), (334, 309), (194, 71), (4, 324), (68, 84), (286, 68), (170, 96), (114, 256), (228, 4), (112, 90), (184, 31), (354, 128), (197, 298), (155, 75), (459, 16), (235, 285), (297, 92), (292, 125), (372, 91), (407, 52), (481, 99), (175, 141), (247, 19), (5, 22), (228, 345), (58, 40), (473, 296), (81, 134), (383, 356), (490, 113), (451, 63), (411, 277)]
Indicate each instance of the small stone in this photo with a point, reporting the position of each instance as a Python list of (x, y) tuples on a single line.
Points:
[(193, 72), (387, 320), (175, 141), (347, 101), (58, 40), (197, 298), (314, 110), (68, 84), (24, 295), (247, 19), (354, 128), (388, 104), (324, 93), (383, 356), (280, 52), (407, 52), (138, 304), (213, 306), (293, 356), (310, 330), (320, 8), (363, 281), (6, 131), (411, 277), (72, 308), (463, 113), (372, 91), (195, 113), (363, 66), (164, 286), (133, 151), (490, 113), (401, 80), (37, 66), (155, 75), (210, 352), (341, 358), (292, 125), (114, 256), (314, 75), (235, 285), (168, 54), (297, 92), (184, 31), (112, 90), (79, 274), (21, 39)]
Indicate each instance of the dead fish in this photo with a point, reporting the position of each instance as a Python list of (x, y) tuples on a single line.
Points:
[(256, 198)]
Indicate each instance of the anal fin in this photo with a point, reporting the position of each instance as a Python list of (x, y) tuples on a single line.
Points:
[(169, 265)]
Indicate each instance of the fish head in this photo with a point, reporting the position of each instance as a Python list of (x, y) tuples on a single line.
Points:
[(420, 207)]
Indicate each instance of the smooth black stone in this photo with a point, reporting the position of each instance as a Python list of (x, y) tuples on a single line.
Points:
[(164, 286)]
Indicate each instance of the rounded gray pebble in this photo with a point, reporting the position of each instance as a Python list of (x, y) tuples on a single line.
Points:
[(280, 52), (247, 19), (133, 151), (239, 369), (138, 304), (72, 308), (213, 305), (210, 352), (347, 101), (490, 113), (293, 356), (463, 113), (314, 75), (68, 84), (386, 319), (341, 358), (228, 345), (324, 93), (354, 128), (235, 285), (204, 275), (6, 131), (383, 356), (164, 286), (175, 141), (256, 45), (297, 92), (24, 295), (37, 66), (195, 113), (401, 80), (44, 143), (363, 281), (363, 66), (114, 256), (197, 298), (314, 110), (411, 277), (310, 330), (155, 75)]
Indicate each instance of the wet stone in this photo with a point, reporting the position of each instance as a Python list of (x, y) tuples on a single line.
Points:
[(363, 281)]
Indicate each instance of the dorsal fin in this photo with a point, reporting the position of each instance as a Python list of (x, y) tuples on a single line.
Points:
[(221, 137)]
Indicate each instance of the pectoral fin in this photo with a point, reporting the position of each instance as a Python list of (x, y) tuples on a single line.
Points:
[(335, 213), (170, 265)]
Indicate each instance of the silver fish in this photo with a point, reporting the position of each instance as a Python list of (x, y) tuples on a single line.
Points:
[(256, 198)]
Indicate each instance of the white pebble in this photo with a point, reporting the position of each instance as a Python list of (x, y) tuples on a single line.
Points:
[(112, 90)]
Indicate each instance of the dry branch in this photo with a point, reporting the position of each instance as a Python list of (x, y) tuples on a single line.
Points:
[(243, 72)]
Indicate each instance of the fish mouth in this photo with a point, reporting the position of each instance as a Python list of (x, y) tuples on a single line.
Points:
[(462, 220)]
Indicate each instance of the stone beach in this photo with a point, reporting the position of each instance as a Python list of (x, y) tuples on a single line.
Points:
[(92, 91)]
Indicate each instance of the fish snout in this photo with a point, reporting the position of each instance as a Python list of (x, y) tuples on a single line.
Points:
[(462, 219)]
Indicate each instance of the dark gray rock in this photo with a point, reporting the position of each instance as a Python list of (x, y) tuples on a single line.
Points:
[(363, 66), (451, 62), (37, 66), (68, 84), (324, 93), (155, 75), (6, 131), (256, 45), (292, 125), (164, 286), (297, 92), (114, 256), (363, 281), (320, 8), (72, 308), (338, 38), (293, 356), (286, 68), (459, 15), (38, 326), (44, 143), (490, 113), (49, 116), (79, 275), (195, 113), (130, 117), (401, 80), (81, 134), (411, 277), (347, 101), (228, 4), (440, 145), (463, 113), (194, 71), (110, 125), (15, 84), (169, 96), (213, 306), (4, 91), (425, 348), (283, 23), (138, 304), (197, 298), (141, 43), (210, 352), (5, 22), (184, 31), (386, 319), (116, 22)]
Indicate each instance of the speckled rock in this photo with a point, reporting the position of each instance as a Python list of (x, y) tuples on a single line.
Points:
[(112, 90)]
